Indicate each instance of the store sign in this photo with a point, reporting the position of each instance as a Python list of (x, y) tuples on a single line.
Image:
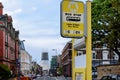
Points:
[(72, 18)]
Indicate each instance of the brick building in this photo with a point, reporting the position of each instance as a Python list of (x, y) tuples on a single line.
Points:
[(9, 42), (101, 55), (66, 60)]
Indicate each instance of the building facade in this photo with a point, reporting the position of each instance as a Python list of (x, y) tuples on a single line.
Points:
[(45, 61), (36, 69), (9, 42), (101, 55), (66, 59), (25, 60), (53, 66)]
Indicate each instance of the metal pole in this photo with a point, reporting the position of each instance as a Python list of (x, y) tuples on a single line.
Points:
[(73, 61), (88, 44)]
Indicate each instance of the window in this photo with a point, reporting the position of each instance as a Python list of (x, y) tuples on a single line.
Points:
[(104, 46), (115, 56), (6, 37), (6, 52), (12, 56), (79, 53), (94, 54), (22, 57), (105, 55)]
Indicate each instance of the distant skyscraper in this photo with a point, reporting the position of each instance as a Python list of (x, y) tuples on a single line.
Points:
[(44, 56), (45, 61)]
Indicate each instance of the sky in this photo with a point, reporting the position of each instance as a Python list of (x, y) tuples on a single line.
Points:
[(38, 22)]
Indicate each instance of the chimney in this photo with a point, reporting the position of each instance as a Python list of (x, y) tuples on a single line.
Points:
[(1, 9)]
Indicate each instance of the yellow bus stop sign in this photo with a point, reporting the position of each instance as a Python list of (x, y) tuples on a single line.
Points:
[(72, 19)]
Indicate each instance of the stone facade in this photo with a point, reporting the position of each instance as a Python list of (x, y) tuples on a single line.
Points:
[(108, 69), (25, 62)]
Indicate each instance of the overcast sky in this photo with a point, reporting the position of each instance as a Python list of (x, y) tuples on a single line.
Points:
[(38, 22)]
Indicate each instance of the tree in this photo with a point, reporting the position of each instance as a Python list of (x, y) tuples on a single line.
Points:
[(59, 71), (4, 72), (106, 24)]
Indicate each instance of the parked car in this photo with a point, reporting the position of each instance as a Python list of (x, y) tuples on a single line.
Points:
[(51, 75), (38, 75), (111, 77)]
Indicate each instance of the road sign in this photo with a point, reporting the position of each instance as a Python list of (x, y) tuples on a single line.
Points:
[(72, 18)]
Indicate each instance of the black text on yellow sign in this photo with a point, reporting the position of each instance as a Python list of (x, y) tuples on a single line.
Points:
[(72, 19)]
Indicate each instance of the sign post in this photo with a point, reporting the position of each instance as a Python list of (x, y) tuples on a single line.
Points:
[(72, 26), (88, 44), (72, 19)]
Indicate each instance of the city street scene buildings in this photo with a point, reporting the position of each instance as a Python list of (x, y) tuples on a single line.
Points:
[(72, 62)]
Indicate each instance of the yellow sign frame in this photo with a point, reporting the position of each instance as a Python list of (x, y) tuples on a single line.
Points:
[(72, 19), (87, 71)]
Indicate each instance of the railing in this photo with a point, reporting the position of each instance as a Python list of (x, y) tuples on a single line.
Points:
[(98, 62)]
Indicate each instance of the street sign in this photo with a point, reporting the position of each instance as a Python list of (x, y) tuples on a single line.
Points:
[(72, 19)]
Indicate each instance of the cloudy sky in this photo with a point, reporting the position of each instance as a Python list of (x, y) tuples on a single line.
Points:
[(38, 22)]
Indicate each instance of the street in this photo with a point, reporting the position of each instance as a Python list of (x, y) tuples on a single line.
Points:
[(51, 78), (45, 78), (32, 47)]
